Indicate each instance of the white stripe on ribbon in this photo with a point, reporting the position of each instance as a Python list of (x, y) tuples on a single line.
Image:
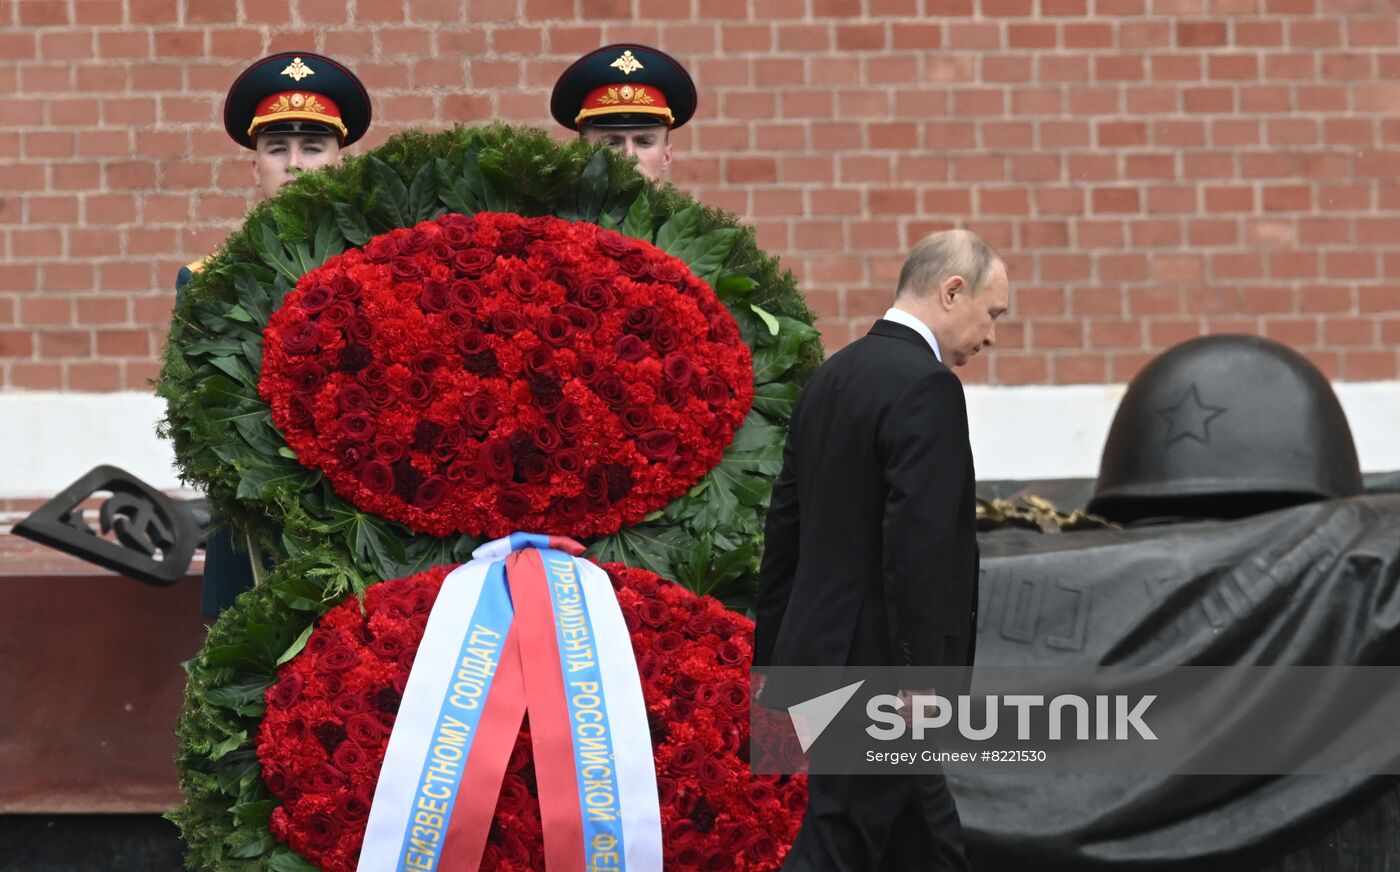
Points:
[(627, 717), (410, 742)]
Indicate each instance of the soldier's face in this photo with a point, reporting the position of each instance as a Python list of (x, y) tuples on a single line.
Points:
[(651, 146), (281, 156), (973, 317)]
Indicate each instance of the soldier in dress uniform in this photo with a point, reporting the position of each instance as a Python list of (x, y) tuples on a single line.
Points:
[(630, 97), (295, 111)]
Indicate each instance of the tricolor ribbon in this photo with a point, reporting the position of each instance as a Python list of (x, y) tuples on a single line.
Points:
[(526, 626)]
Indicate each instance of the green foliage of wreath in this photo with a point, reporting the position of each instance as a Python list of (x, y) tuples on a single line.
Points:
[(709, 540), (324, 548)]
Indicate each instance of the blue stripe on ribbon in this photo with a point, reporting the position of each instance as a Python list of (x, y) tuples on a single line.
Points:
[(599, 796), (456, 725)]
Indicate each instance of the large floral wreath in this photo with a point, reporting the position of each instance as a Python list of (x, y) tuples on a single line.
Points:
[(289, 370)]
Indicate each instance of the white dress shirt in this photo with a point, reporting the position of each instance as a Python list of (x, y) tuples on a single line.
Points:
[(899, 316)]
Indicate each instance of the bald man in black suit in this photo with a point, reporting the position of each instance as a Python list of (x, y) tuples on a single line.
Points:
[(870, 555)]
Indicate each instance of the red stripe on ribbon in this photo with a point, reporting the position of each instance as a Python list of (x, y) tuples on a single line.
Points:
[(550, 731), (465, 840)]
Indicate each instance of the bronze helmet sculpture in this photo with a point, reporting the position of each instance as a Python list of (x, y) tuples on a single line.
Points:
[(1224, 427)]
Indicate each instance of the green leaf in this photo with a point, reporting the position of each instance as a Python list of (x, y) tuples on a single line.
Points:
[(288, 861), (451, 188), (637, 224), (251, 297), (235, 695), (228, 746), (391, 201), (254, 814), (776, 399), (734, 285), (295, 648), (237, 368), (353, 225), (244, 844), (767, 319), (707, 254), (273, 253), (422, 194), (260, 482), (771, 362), (593, 186), (679, 230), (656, 549), (329, 239)]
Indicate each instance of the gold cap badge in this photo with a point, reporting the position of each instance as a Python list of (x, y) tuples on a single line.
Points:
[(627, 63), (298, 70)]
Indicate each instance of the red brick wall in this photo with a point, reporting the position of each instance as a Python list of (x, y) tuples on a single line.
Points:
[(1154, 169)]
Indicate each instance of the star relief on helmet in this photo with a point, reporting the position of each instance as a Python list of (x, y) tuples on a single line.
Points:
[(298, 70), (1190, 418), (627, 63)]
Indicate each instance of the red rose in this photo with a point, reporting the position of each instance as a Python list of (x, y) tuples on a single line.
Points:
[(302, 339), (636, 420), (642, 320), (684, 686), (610, 389), (596, 295), (306, 377), (534, 469), (723, 329), (687, 759), (426, 362), (389, 644), (405, 269), (681, 710), (595, 486), (357, 426), (414, 241), (353, 455), (580, 318), (364, 730), (657, 445), (435, 297), (715, 390), (431, 493), (349, 757), (474, 262), (512, 241), (337, 659), (664, 339), (673, 395), (373, 375), (389, 450), (418, 391), (540, 360), (315, 299), (568, 461), (635, 266), (481, 413), (300, 410), (338, 314), (629, 348), (377, 477), (466, 294), (513, 503), (352, 398), (569, 510), (321, 830), (546, 438), (678, 369), (668, 642), (507, 322), (473, 342), (286, 691), (728, 653), (515, 795), (524, 285), (381, 248), (612, 244), (669, 270), (455, 234), (568, 418), (450, 443), (557, 330), (496, 460)]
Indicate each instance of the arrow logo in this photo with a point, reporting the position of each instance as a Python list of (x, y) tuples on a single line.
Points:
[(811, 718)]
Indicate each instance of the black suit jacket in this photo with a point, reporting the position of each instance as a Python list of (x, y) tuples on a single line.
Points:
[(870, 554)]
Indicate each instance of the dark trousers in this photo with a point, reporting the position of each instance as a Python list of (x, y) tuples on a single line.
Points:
[(889, 823)]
